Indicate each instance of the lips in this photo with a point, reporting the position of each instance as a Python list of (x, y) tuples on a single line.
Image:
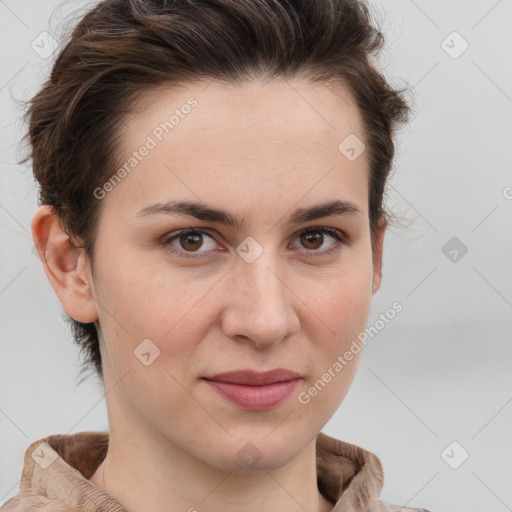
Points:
[(252, 378), (255, 391)]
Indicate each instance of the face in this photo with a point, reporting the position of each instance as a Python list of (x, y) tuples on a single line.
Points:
[(271, 289)]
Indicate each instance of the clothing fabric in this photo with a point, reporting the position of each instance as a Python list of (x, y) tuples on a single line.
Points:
[(57, 468)]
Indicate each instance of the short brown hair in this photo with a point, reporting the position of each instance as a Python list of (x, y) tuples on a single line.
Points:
[(120, 49)]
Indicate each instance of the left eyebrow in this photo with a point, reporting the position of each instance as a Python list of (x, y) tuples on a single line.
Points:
[(206, 213), (329, 209)]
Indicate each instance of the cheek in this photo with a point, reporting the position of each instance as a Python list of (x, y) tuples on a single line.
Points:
[(343, 301), (146, 299), (340, 314), (169, 309)]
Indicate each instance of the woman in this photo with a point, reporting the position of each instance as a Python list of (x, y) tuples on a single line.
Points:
[(212, 221)]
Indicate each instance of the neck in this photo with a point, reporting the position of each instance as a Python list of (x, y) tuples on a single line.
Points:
[(145, 477)]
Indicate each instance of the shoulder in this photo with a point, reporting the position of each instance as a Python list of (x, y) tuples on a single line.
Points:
[(396, 508), (24, 503), (383, 506), (10, 505)]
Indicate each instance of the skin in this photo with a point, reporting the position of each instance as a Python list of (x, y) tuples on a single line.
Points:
[(258, 151)]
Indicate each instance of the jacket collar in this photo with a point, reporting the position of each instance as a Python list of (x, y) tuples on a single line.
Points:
[(57, 468)]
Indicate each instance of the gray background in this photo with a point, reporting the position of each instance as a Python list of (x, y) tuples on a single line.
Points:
[(439, 372)]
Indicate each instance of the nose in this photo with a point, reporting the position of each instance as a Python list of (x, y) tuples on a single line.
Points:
[(260, 304)]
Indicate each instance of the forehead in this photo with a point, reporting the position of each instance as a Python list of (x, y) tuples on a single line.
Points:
[(274, 138), (273, 106)]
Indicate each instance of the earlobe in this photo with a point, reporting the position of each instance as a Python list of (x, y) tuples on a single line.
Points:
[(377, 259), (66, 267)]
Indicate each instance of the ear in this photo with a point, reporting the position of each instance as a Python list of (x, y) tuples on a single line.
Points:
[(66, 266), (377, 258)]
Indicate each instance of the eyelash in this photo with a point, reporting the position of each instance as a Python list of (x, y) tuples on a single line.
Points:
[(340, 240)]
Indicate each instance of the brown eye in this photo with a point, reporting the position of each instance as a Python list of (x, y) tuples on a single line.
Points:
[(312, 240), (191, 241), (187, 243)]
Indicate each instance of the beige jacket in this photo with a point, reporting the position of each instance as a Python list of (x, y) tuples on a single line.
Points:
[(56, 471)]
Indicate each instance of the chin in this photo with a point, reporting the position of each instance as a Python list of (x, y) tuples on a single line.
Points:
[(245, 454)]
